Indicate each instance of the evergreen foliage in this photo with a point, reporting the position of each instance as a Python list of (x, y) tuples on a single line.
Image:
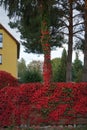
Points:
[(28, 21), (31, 76), (55, 68), (59, 68), (21, 67), (62, 71), (29, 73), (77, 69)]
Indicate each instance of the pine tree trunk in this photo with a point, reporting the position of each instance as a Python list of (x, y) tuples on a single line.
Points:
[(70, 45), (85, 47), (47, 68)]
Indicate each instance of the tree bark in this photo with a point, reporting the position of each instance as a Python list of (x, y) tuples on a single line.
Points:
[(85, 46), (70, 45)]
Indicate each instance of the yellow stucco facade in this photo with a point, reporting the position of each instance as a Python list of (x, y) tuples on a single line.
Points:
[(9, 52)]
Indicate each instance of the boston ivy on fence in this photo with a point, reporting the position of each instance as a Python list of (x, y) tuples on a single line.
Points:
[(39, 104)]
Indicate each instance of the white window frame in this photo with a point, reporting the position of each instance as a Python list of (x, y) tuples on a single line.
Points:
[(1, 40), (0, 58)]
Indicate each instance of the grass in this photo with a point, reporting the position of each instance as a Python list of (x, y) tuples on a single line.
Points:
[(65, 128), (82, 128)]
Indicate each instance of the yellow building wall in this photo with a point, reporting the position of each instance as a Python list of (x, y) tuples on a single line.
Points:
[(9, 54)]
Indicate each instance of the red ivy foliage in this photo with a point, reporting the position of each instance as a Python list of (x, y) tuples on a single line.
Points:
[(36, 103), (45, 37), (6, 79)]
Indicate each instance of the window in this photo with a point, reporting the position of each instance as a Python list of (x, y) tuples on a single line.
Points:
[(0, 59), (1, 40)]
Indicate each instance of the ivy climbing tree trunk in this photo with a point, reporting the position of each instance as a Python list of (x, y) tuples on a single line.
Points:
[(45, 37)]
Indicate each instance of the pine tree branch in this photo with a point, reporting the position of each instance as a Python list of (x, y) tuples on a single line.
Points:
[(67, 17), (61, 28), (77, 15), (64, 23), (78, 31), (78, 24), (63, 33), (78, 37)]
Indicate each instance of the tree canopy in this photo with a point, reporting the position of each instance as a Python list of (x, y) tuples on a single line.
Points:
[(27, 16)]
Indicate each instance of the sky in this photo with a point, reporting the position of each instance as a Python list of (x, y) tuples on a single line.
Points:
[(4, 20)]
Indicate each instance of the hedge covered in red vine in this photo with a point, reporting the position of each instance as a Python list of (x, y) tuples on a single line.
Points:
[(37, 103), (6, 79)]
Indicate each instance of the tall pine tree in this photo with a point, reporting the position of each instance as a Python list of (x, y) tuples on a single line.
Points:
[(24, 11)]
